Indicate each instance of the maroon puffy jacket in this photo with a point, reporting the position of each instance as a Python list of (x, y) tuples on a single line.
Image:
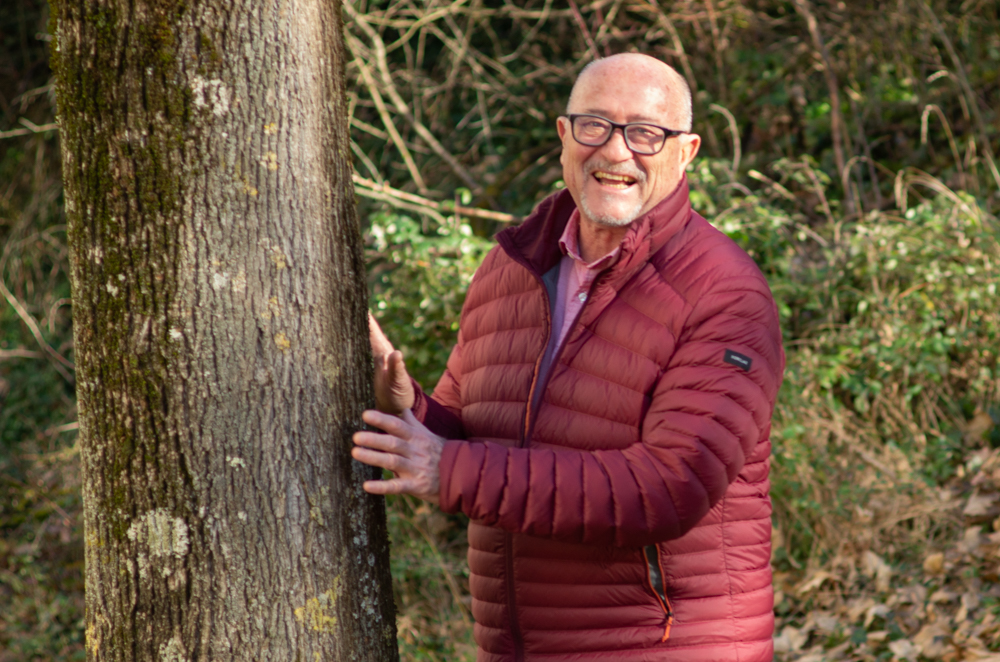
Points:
[(619, 504)]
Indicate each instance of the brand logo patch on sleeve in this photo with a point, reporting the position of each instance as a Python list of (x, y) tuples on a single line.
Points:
[(738, 360)]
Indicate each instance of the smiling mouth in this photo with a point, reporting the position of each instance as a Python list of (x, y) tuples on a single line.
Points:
[(612, 180)]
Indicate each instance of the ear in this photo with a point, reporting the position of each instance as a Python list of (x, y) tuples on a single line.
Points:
[(562, 126), (690, 143)]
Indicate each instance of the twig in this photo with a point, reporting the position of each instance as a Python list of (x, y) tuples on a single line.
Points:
[(947, 130), (368, 128), (387, 120), (59, 429), (532, 33), (910, 175), (397, 202), (578, 17), (846, 175), (368, 162), (836, 121), (397, 100), (29, 128), (761, 177), (717, 47), (966, 88), (61, 363), (675, 37), (607, 25), (19, 354), (734, 132), (819, 190), (388, 193), (430, 17), (863, 139)]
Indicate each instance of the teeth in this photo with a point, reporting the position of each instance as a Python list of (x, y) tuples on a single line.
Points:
[(607, 176)]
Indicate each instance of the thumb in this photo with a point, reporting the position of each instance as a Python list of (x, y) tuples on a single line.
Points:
[(397, 370)]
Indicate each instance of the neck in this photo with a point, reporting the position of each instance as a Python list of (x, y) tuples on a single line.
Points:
[(596, 240)]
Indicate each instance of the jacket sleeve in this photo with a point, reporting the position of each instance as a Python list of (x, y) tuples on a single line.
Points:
[(706, 417), (441, 413)]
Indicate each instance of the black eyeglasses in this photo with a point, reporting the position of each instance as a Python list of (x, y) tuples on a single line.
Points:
[(641, 138)]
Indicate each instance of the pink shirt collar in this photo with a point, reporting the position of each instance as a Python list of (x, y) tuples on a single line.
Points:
[(569, 244)]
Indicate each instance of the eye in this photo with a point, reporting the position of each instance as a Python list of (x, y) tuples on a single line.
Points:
[(645, 133)]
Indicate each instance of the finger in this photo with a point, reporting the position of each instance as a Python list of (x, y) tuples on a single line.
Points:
[(386, 443), (394, 463), (379, 341), (390, 486), (387, 423)]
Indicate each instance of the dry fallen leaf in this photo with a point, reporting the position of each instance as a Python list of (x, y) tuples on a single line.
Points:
[(814, 582), (827, 623), (981, 655), (903, 649), (976, 429), (877, 610), (970, 600), (943, 595), (979, 504), (790, 640), (932, 640), (873, 566), (934, 564), (858, 607)]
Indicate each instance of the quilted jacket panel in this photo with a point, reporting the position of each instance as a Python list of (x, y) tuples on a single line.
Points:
[(645, 433)]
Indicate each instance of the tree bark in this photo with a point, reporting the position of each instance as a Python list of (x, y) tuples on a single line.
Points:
[(220, 333)]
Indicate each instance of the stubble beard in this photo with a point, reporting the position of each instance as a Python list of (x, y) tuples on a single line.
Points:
[(608, 219)]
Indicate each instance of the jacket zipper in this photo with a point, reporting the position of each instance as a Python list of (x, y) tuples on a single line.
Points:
[(529, 424), (515, 627), (654, 575), (529, 419)]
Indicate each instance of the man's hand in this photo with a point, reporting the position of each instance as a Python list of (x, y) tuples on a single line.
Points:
[(393, 388), (409, 450)]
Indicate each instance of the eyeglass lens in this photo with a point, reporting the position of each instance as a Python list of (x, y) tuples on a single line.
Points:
[(640, 138)]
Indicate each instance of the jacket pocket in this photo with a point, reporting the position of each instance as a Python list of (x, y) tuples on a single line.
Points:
[(654, 577)]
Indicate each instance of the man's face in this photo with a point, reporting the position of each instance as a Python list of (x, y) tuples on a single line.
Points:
[(610, 184)]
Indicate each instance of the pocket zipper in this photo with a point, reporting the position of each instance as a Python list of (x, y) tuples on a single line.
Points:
[(654, 575)]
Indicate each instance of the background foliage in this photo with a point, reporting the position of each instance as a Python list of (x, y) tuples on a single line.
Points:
[(849, 147)]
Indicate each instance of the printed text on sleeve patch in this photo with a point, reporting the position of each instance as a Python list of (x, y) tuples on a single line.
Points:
[(738, 360)]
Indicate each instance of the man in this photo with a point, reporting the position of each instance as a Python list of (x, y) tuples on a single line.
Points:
[(604, 418)]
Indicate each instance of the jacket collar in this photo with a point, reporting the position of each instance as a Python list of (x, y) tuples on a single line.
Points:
[(535, 242)]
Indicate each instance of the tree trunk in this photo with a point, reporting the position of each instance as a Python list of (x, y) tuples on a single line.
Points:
[(220, 333)]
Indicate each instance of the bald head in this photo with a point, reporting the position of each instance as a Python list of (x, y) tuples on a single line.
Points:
[(650, 69)]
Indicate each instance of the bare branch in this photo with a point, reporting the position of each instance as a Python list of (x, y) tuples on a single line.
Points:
[(29, 128), (59, 361), (401, 107), (385, 192), (386, 118)]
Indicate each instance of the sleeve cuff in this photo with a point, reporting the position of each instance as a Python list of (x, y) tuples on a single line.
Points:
[(435, 416)]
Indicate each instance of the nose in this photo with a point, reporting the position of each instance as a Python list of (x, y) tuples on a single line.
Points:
[(616, 149)]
